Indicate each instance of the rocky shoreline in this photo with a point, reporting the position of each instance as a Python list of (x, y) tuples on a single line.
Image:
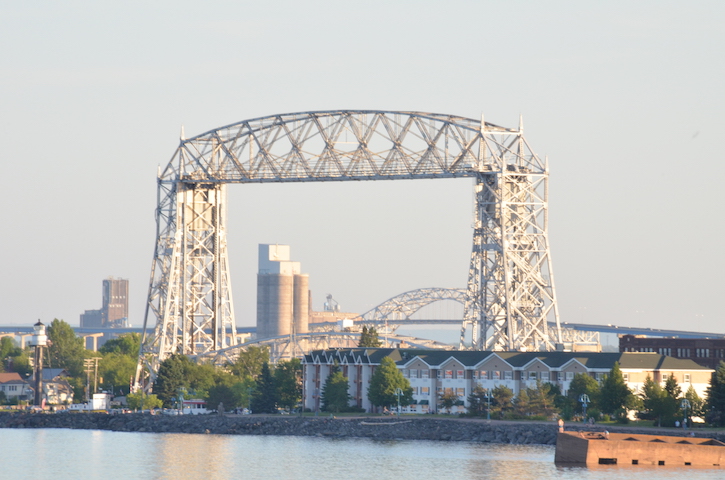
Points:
[(379, 428)]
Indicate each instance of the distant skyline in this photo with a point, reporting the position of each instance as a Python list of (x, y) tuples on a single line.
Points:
[(625, 98)]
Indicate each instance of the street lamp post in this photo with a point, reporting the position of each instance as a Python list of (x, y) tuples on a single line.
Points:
[(684, 405), (317, 401), (39, 341), (488, 402), (398, 393), (584, 399)]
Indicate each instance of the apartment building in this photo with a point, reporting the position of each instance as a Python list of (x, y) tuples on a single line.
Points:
[(432, 372)]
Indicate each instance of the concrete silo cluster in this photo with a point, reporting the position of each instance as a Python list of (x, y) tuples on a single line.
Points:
[(283, 298)]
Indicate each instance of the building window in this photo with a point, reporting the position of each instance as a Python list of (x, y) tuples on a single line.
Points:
[(532, 375), (406, 373), (449, 374), (425, 374), (439, 373), (544, 376), (425, 390), (415, 390), (413, 373), (599, 377), (625, 377), (460, 374), (508, 375), (687, 378), (569, 376), (496, 375), (665, 377), (461, 392)]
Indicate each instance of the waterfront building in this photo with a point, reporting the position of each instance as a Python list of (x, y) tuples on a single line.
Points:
[(56, 389), (432, 372), (15, 388), (708, 352)]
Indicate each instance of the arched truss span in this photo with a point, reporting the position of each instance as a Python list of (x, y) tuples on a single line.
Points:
[(288, 346), (510, 285), (398, 309)]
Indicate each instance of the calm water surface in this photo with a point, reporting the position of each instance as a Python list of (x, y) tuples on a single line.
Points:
[(61, 454)]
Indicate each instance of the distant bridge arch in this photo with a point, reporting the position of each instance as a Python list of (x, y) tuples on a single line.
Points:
[(397, 310)]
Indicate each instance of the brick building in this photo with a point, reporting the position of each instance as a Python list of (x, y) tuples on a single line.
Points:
[(708, 352)]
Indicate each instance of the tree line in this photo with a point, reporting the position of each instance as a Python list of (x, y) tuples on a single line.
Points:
[(665, 405), (253, 382)]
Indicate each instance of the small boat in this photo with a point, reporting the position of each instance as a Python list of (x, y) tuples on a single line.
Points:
[(604, 448)]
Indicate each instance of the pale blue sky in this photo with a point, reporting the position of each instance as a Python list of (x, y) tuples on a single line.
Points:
[(626, 98)]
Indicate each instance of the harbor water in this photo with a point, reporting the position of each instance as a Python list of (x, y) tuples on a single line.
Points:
[(61, 454)]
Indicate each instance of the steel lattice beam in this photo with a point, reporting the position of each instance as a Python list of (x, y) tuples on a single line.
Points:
[(510, 290)]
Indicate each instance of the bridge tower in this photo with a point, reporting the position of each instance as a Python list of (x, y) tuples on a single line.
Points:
[(511, 296)]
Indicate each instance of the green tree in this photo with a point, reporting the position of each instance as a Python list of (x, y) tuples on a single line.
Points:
[(7, 349), (249, 363), (657, 404), (126, 344), (522, 404), (716, 396), (583, 383), (697, 404), (478, 401), (288, 378), (369, 338), (66, 350), (672, 387), (384, 383), (334, 394), (21, 363), (224, 391), (614, 396), (541, 399), (13, 358), (264, 398), (141, 401), (171, 378), (502, 401), (117, 371), (201, 377), (447, 399)]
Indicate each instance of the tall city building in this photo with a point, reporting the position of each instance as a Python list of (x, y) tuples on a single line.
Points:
[(283, 305), (114, 312), (115, 302)]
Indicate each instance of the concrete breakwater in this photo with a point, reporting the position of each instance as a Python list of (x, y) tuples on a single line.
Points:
[(405, 428)]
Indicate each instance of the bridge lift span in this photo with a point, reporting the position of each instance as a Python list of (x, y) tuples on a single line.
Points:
[(510, 288)]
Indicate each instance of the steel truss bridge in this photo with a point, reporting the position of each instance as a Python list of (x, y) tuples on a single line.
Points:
[(398, 312), (510, 298)]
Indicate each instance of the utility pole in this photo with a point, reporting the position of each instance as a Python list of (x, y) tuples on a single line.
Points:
[(91, 364)]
